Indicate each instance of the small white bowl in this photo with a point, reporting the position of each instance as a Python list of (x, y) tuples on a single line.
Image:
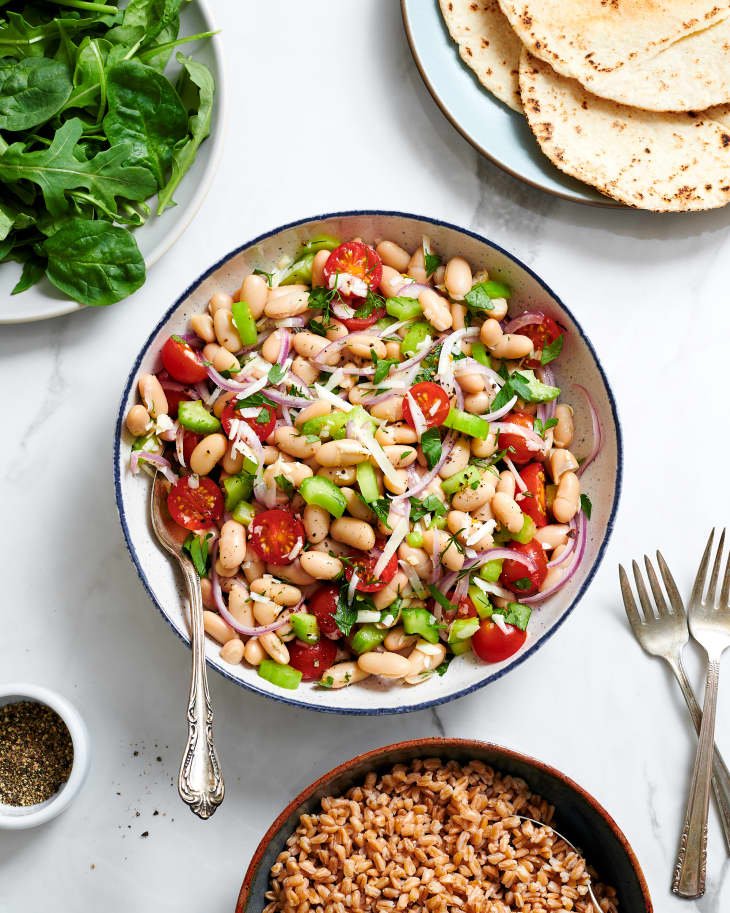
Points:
[(20, 817)]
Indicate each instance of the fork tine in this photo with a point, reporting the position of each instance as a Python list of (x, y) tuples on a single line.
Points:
[(715, 571), (725, 594), (659, 599), (629, 604), (675, 597), (699, 584), (643, 595)]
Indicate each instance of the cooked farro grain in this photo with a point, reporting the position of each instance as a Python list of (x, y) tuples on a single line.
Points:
[(432, 837)]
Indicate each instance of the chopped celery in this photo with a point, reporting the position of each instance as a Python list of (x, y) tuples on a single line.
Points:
[(243, 512), (245, 324), (466, 423), (366, 638), (415, 539), (193, 415), (318, 243), (147, 442), (384, 323), (237, 488), (403, 308), (479, 353), (414, 336), (319, 491), (481, 602), (463, 629), (300, 271), (417, 620), (305, 627), (281, 675), (466, 478), (333, 425), (527, 533), (518, 615), (491, 570), (526, 385), (367, 481), (460, 646)]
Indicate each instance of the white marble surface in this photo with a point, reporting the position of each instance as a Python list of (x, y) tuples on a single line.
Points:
[(328, 112)]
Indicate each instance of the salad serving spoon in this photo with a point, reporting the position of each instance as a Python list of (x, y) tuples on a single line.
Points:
[(200, 781)]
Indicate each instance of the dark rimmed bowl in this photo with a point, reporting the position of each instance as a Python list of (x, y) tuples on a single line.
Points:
[(579, 817), (578, 365)]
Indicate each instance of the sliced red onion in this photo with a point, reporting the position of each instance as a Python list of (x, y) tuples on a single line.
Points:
[(286, 415), (352, 586), (295, 322), (494, 416), (202, 391), (377, 398), (411, 289), (233, 386), (342, 310), (179, 451), (446, 445), (284, 346), (494, 589), (524, 320), (581, 540), (160, 462), (490, 554), (419, 419), (470, 365), (518, 478), (597, 433), (435, 558), (195, 342), (170, 433), (546, 411), (220, 604), (534, 441), (461, 589), (569, 546), (394, 327), (445, 370), (415, 581)]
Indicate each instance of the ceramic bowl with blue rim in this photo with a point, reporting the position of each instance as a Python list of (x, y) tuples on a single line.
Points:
[(577, 365), (578, 816)]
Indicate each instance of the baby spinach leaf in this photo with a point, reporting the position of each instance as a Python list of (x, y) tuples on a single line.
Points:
[(145, 112), (57, 169), (31, 91), (195, 76), (94, 262), (33, 270), (89, 78)]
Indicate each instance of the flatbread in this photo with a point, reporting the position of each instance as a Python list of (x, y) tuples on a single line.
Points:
[(487, 44), (664, 162), (661, 55)]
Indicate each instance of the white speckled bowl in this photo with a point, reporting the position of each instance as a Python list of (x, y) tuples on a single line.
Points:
[(577, 364)]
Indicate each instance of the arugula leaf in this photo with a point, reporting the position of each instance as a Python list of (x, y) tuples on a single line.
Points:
[(31, 91), (93, 262), (59, 168), (197, 80), (345, 615), (552, 350), (197, 548), (429, 505), (432, 263), (286, 485), (276, 374), (431, 446), (586, 506)]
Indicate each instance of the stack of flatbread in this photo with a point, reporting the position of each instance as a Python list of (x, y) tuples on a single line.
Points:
[(630, 96)]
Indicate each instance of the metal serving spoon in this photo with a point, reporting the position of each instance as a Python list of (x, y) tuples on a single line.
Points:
[(200, 782), (594, 900)]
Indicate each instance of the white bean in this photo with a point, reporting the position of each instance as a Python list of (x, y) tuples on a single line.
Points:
[(321, 566), (207, 453), (316, 523), (216, 628), (232, 547), (353, 532), (458, 278), (138, 420), (153, 396), (389, 665), (254, 292), (507, 512), (225, 330)]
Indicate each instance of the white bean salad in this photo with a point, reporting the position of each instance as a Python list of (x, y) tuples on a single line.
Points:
[(372, 462)]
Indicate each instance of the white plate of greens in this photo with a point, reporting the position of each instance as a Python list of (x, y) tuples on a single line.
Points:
[(111, 128)]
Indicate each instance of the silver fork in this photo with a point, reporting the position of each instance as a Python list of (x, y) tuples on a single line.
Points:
[(664, 633), (709, 622)]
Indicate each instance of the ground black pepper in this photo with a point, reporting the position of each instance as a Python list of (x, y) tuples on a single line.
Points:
[(36, 753)]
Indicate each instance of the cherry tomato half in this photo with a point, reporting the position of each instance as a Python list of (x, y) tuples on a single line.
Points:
[(312, 660), (174, 398), (354, 259), (465, 609), (274, 534), (357, 324), (492, 645), (533, 501), (262, 429), (190, 442), (431, 400), (515, 444), (541, 334), (518, 578), (365, 565), (182, 362), (195, 508), (323, 605)]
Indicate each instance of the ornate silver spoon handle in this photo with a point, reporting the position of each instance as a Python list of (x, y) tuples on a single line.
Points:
[(200, 782)]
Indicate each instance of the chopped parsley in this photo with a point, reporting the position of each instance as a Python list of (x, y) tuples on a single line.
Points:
[(429, 366), (429, 505), (478, 299), (371, 303), (552, 350), (541, 427), (345, 615), (285, 485), (586, 506), (382, 367), (441, 599), (443, 667), (268, 276), (276, 374), (432, 263), (431, 446), (381, 509), (197, 548), (524, 583)]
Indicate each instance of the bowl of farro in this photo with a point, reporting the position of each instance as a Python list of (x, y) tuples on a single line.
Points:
[(395, 486), (438, 825)]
